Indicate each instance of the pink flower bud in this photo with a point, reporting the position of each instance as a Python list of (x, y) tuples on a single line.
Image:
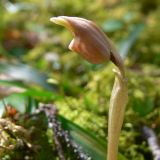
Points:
[(89, 41)]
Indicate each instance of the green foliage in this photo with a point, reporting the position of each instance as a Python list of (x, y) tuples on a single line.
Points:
[(87, 140), (34, 58)]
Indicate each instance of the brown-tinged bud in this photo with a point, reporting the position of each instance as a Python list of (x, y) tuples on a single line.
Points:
[(89, 41)]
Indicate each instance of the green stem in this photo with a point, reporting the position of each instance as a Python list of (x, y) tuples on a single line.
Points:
[(118, 102)]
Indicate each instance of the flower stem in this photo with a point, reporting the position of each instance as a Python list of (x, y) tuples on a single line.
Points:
[(118, 102)]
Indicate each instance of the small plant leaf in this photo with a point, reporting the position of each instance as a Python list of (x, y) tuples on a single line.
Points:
[(112, 25), (126, 44), (26, 74), (95, 147), (143, 107)]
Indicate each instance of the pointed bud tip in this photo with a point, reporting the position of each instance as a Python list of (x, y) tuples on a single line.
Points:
[(60, 21), (89, 41), (56, 20), (53, 19)]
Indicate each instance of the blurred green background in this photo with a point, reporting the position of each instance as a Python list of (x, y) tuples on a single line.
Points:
[(35, 61)]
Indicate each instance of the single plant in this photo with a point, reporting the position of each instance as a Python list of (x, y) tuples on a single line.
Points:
[(93, 45)]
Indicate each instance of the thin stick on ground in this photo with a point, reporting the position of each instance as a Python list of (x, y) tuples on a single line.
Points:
[(152, 140)]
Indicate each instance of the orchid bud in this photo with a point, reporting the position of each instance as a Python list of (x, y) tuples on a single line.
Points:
[(89, 41), (93, 45)]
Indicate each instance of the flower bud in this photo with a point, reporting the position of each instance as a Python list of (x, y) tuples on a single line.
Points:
[(89, 41), (92, 44)]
